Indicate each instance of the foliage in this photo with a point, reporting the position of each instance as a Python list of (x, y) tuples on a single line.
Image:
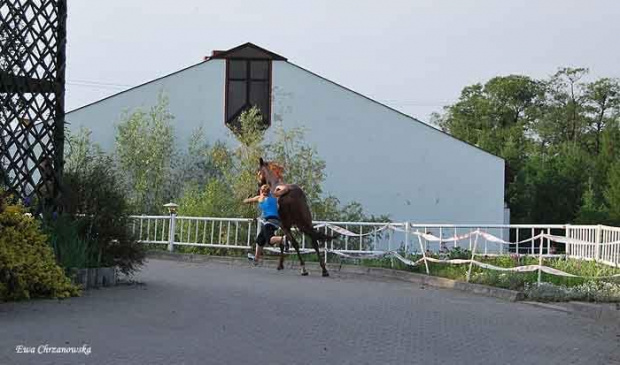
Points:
[(27, 265), (144, 148), (233, 176), (588, 271), (212, 201), (71, 250), (549, 188), (194, 168), (301, 163), (591, 211), (456, 253), (559, 137), (93, 190), (612, 193), (591, 291)]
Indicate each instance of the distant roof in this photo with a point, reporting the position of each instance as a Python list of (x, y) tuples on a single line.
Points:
[(252, 51), (245, 51)]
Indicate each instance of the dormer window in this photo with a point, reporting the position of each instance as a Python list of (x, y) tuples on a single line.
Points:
[(248, 82)]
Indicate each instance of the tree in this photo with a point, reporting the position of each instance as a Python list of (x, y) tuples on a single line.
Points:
[(495, 117), (562, 114), (559, 138), (550, 186), (145, 150), (235, 176), (488, 115), (242, 177), (195, 167), (603, 102), (612, 193), (608, 154), (591, 211), (301, 162)]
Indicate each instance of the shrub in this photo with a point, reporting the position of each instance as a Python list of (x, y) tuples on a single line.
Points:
[(459, 253), (27, 265), (93, 191), (71, 250)]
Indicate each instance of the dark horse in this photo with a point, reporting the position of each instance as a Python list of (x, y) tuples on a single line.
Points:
[(293, 210)]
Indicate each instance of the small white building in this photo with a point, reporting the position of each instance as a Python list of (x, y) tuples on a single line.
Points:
[(388, 161)]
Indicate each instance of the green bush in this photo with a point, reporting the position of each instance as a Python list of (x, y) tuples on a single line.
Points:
[(71, 250), (93, 195), (96, 196), (27, 265)]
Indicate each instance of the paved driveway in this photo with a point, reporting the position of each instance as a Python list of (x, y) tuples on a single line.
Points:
[(212, 313)]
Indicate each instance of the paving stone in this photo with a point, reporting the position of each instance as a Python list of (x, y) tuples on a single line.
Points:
[(217, 313)]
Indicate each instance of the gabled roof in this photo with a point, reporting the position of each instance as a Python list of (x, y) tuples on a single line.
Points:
[(245, 51), (252, 51)]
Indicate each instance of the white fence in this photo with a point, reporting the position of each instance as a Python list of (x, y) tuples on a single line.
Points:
[(596, 242), (600, 243)]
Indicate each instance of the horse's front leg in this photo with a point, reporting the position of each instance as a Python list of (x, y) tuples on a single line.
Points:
[(289, 235)]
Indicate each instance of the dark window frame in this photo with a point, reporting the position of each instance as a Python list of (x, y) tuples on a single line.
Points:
[(229, 120)]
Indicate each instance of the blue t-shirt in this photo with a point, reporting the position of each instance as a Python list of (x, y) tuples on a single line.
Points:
[(269, 207)]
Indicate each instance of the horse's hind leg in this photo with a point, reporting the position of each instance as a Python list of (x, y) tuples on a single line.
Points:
[(295, 244), (315, 244)]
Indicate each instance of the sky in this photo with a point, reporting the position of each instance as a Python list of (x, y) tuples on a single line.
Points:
[(415, 56)]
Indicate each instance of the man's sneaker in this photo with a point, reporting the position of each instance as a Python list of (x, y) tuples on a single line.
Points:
[(251, 257)]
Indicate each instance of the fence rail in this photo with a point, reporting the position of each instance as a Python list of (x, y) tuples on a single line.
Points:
[(591, 242)]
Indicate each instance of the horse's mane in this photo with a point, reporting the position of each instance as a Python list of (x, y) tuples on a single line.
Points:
[(277, 169)]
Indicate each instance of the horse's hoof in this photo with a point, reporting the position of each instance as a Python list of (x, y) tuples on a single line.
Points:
[(325, 274)]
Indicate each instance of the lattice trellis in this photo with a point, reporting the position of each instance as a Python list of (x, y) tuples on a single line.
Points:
[(32, 89)]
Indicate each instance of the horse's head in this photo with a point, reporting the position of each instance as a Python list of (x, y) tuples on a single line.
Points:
[(269, 172), (261, 174)]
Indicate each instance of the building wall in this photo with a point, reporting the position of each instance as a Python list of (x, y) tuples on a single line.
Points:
[(195, 96), (387, 161)]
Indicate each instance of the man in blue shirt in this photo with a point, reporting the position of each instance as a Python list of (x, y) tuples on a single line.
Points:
[(268, 205)]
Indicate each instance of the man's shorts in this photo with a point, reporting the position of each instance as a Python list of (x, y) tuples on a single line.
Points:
[(267, 231)]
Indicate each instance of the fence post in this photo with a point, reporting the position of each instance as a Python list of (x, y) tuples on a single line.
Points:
[(422, 249), (325, 253), (172, 209), (473, 255), (540, 260), (599, 239), (567, 245), (406, 238)]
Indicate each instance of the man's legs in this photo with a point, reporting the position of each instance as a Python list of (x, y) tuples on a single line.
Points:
[(261, 240), (258, 254), (276, 240), (265, 234)]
